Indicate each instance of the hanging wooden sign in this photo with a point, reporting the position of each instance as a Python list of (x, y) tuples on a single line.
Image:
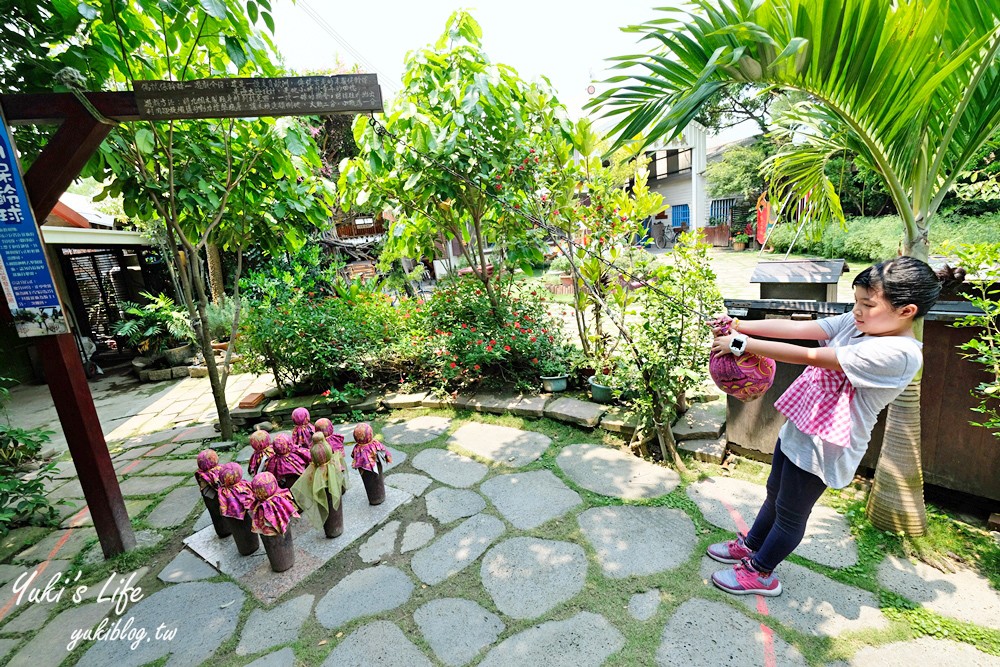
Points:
[(240, 98)]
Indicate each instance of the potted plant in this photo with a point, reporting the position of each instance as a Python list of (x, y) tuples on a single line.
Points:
[(600, 386), (156, 329), (552, 373), (740, 242)]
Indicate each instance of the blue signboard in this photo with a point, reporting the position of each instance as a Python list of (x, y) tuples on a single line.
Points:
[(24, 271)]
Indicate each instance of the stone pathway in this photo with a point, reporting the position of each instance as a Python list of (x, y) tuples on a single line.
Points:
[(489, 554)]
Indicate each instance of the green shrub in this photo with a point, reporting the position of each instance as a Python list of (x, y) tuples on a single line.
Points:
[(153, 327), (321, 342), (22, 500), (220, 319), (469, 343)]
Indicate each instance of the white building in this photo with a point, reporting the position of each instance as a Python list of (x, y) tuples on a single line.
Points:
[(677, 171)]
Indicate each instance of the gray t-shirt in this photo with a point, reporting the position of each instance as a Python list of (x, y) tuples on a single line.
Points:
[(879, 368)]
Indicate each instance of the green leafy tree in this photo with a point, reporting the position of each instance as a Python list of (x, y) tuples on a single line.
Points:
[(478, 126), (908, 87), (224, 182)]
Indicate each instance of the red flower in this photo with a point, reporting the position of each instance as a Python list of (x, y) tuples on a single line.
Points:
[(453, 364), (476, 367), (533, 339), (493, 342), (325, 393), (506, 348), (489, 348), (534, 360), (465, 326)]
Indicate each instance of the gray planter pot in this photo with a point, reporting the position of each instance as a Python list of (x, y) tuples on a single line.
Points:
[(554, 383), (178, 355)]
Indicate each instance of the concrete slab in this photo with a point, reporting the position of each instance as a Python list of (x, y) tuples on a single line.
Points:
[(363, 593), (58, 544), (638, 541), (530, 406), (201, 627), (745, 641), (813, 604), (30, 619), (496, 404), (643, 606), (447, 505), (203, 432), (312, 547), (965, 594), (266, 629), (186, 567), (612, 472), (711, 450), (438, 620), (416, 431), (48, 647), (380, 643), (432, 401), (530, 499), (401, 401), (381, 544), (148, 486), (283, 658), (17, 539), (412, 484), (78, 519), (616, 421), (584, 640), (6, 646), (510, 446), (171, 467), (733, 503), (702, 420), (175, 507), (457, 549), (575, 411), (528, 577), (416, 535), (10, 572), (449, 467), (920, 652)]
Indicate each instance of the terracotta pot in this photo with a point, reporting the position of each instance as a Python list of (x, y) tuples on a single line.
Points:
[(247, 541), (739, 247), (280, 551), (566, 280), (374, 485), (334, 524), (211, 499)]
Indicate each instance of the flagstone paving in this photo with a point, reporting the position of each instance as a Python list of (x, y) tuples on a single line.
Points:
[(732, 504), (444, 572)]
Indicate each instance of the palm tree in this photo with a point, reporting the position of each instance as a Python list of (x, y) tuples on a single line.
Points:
[(911, 87)]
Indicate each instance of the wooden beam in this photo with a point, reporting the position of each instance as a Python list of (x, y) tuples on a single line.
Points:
[(62, 160), (78, 416), (49, 108)]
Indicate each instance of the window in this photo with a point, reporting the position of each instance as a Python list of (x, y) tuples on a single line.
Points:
[(722, 210), (680, 216), (667, 163)]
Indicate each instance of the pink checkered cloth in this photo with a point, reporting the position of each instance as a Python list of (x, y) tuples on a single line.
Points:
[(819, 403)]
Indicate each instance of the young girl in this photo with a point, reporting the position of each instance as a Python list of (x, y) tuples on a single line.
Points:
[(866, 358)]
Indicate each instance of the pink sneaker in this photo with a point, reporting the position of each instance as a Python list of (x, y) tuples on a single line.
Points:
[(730, 552), (744, 579)]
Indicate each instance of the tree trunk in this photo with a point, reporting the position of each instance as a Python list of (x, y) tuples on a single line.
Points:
[(215, 280), (896, 502)]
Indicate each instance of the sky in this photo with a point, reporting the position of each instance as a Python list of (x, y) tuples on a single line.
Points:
[(566, 41)]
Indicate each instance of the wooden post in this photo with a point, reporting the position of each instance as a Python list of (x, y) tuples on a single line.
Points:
[(60, 162)]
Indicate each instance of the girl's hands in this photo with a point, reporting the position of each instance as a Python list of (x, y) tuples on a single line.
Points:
[(719, 324), (721, 344)]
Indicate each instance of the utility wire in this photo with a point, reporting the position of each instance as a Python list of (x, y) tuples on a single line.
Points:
[(357, 55), (553, 232)]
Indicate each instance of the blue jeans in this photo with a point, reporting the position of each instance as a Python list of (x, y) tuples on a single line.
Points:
[(781, 521)]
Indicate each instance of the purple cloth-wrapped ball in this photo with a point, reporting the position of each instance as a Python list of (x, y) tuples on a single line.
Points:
[(235, 495), (273, 508), (303, 430), (363, 433), (208, 469), (745, 377), (287, 458), (260, 441), (336, 440)]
